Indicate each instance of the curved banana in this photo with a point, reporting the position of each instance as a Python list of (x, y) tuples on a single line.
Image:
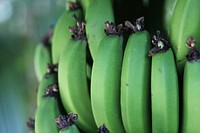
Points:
[(185, 23), (105, 80), (135, 82), (72, 79), (61, 32), (164, 88), (47, 80), (42, 56), (191, 91), (168, 9), (47, 112), (66, 123), (99, 11)]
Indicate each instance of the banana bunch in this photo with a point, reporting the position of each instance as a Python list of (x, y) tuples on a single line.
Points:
[(120, 78)]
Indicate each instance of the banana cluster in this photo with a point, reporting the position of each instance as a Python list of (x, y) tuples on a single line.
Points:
[(96, 76)]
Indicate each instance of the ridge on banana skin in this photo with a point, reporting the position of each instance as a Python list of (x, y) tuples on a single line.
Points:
[(164, 88)]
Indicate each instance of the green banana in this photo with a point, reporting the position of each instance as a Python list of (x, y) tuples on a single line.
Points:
[(99, 11), (105, 80), (72, 79), (48, 79), (135, 82), (61, 32), (66, 123), (164, 88), (185, 23), (47, 112), (168, 9), (191, 91), (42, 56)]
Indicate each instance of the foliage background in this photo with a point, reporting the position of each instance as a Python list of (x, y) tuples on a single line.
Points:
[(22, 24)]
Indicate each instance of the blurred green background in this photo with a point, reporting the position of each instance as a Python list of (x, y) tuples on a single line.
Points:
[(22, 24)]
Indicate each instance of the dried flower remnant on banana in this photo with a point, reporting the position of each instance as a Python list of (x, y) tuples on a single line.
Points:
[(138, 26), (64, 121), (194, 54), (160, 44), (52, 68), (78, 31), (103, 129), (112, 29), (51, 91), (31, 123)]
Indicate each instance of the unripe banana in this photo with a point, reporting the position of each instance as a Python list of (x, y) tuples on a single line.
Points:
[(61, 32), (191, 91), (47, 112), (164, 88), (48, 79), (185, 23), (42, 56), (66, 123), (72, 79), (135, 82), (98, 12), (168, 9), (105, 80)]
